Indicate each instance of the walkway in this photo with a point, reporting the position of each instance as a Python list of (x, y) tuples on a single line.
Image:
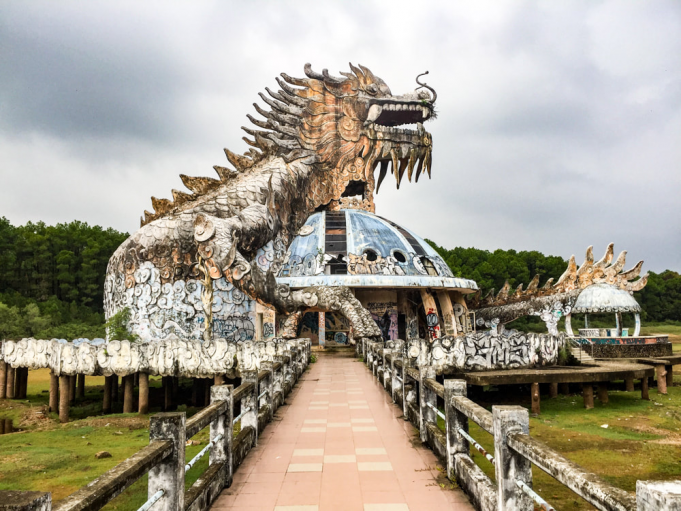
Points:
[(341, 444)]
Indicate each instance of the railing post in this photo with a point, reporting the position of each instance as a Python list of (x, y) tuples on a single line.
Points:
[(510, 466), (250, 418), (278, 378), (386, 368), (426, 397), (406, 362), (455, 420), (364, 350), (221, 452), (14, 500), (393, 373), (658, 495), (268, 385), (169, 474)]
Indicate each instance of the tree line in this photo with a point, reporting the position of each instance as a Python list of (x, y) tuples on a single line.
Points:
[(52, 278)]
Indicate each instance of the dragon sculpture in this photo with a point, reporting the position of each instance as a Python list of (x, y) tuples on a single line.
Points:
[(553, 300), (317, 147)]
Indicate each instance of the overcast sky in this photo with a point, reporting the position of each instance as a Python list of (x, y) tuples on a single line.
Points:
[(559, 122)]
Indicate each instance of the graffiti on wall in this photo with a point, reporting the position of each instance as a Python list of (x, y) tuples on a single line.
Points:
[(360, 265), (433, 324), (385, 316)]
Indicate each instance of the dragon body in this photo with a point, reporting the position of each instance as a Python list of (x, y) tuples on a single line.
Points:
[(318, 146)]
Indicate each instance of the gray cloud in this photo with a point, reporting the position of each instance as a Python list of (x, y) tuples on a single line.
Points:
[(558, 123)]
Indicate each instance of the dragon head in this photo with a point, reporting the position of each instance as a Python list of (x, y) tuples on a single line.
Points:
[(351, 125)]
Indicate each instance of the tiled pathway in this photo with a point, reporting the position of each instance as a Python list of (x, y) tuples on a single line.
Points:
[(341, 444)]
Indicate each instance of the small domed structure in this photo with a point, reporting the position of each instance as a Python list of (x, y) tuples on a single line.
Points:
[(393, 272), (605, 298)]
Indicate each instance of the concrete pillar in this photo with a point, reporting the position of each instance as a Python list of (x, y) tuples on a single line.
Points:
[(322, 328), (629, 384), (207, 384), (426, 397), (395, 382), (553, 390), (431, 308), (406, 362), (143, 407), (21, 382), (11, 372), (64, 392), (603, 392), (661, 372), (221, 452), (54, 392), (219, 380), (250, 402), (455, 420), (168, 475), (510, 466), (536, 408), (658, 495), (114, 388), (3, 378), (588, 394), (129, 393), (175, 380), (106, 400), (81, 386), (565, 389), (167, 393), (644, 389), (670, 376), (72, 388)]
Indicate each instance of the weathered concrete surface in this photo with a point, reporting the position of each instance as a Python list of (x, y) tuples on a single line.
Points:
[(475, 483), (658, 495), (206, 488), (25, 501)]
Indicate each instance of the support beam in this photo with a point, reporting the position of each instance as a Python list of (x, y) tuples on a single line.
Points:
[(114, 388), (64, 393), (644, 389), (448, 318), (661, 372), (553, 390), (565, 389), (588, 394), (72, 388), (80, 393), (629, 384), (536, 408), (430, 308), (129, 393), (143, 394), (54, 392), (106, 400), (3, 378), (11, 373), (603, 392)]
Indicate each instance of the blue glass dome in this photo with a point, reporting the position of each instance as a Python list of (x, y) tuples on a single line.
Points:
[(356, 248)]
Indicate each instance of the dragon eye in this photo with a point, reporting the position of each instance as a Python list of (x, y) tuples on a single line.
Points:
[(371, 88)]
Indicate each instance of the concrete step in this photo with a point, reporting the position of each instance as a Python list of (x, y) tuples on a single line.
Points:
[(581, 355)]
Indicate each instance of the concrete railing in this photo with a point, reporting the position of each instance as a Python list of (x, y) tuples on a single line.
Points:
[(515, 451), (255, 400)]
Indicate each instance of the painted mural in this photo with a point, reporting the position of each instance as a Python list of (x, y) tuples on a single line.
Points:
[(385, 316)]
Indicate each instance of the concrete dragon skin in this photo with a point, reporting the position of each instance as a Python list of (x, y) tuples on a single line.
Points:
[(550, 302), (317, 148)]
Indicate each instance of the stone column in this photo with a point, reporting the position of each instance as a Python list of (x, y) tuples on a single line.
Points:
[(64, 392), (588, 395), (54, 392), (167, 393), (553, 390), (72, 388), (644, 389), (3, 378), (221, 452), (169, 474), (629, 384), (81, 386), (106, 401), (603, 392), (322, 328), (536, 397), (448, 318), (129, 393), (143, 407), (114, 388), (11, 373), (661, 371), (455, 420), (510, 466)]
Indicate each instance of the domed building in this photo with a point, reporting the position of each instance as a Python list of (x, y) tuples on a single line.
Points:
[(408, 288)]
